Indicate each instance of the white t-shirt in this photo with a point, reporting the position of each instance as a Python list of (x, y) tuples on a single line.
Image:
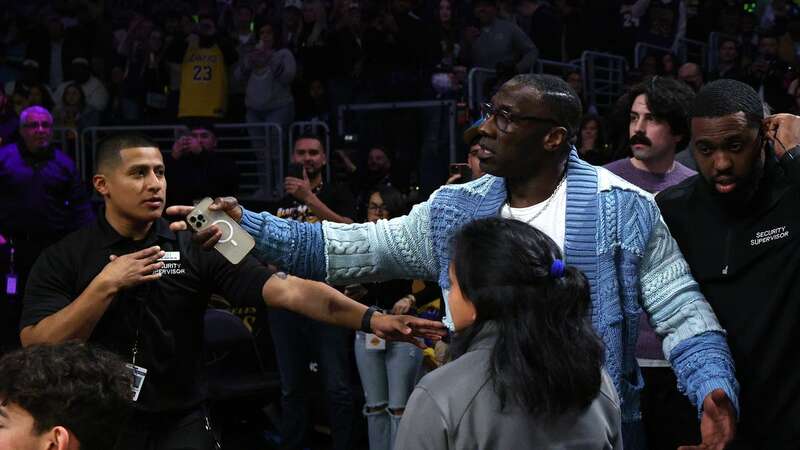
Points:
[(552, 220)]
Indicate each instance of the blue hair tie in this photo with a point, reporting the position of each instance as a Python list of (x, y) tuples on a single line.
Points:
[(557, 268)]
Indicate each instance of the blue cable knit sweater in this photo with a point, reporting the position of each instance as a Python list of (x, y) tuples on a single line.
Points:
[(614, 234)]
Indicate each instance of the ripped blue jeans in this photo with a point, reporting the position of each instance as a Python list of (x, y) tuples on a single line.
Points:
[(388, 377)]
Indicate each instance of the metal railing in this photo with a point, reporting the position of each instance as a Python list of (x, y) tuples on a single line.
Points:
[(257, 149), (313, 126), (603, 77), (450, 104), (250, 145), (690, 50), (476, 80), (163, 135), (69, 141), (555, 67)]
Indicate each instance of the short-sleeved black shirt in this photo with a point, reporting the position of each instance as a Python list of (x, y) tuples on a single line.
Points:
[(337, 197), (168, 313)]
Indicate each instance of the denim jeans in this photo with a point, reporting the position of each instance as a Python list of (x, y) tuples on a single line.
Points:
[(283, 116), (388, 377), (292, 335)]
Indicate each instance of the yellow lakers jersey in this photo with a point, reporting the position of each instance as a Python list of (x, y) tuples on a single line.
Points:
[(204, 83)]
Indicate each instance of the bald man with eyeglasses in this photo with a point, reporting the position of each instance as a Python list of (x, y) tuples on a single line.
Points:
[(42, 199)]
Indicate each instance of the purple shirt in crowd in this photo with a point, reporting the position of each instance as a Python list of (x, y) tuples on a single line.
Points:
[(650, 182), (649, 345)]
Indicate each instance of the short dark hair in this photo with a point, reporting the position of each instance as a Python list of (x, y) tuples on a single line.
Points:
[(210, 128), (393, 200), (382, 148), (109, 148), (767, 34), (311, 135), (725, 97), (547, 358), (600, 142), (80, 387), (668, 100), (559, 98), (725, 40)]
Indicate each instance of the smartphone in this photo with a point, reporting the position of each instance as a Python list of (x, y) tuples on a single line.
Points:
[(235, 243), (295, 171), (463, 169)]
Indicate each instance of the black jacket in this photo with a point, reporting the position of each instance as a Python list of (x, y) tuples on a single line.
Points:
[(748, 266)]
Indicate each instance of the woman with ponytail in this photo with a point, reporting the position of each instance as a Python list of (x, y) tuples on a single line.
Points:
[(527, 369)]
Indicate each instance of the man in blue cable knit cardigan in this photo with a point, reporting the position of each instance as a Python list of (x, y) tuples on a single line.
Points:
[(607, 227)]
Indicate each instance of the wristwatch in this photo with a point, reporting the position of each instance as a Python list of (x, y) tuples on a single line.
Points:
[(367, 317), (791, 154)]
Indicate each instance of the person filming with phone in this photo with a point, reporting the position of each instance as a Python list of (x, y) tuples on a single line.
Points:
[(130, 284), (471, 170), (195, 169), (310, 199)]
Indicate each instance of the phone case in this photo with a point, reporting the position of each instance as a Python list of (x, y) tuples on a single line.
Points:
[(235, 243), (295, 170)]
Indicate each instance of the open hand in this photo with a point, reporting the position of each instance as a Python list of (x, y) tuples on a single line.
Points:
[(406, 328), (402, 306), (453, 178), (211, 235), (129, 270), (718, 425)]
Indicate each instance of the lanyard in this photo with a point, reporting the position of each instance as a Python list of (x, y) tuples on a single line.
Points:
[(142, 303), (11, 256)]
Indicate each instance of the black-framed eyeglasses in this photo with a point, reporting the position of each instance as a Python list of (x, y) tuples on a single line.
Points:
[(376, 208), (504, 118)]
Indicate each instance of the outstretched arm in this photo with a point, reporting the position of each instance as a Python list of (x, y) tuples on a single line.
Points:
[(295, 247), (325, 304), (694, 341), (400, 248)]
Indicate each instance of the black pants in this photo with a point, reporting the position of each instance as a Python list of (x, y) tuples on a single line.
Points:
[(669, 418), (187, 430), (292, 336)]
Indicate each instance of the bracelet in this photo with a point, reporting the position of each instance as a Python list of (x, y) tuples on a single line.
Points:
[(367, 318)]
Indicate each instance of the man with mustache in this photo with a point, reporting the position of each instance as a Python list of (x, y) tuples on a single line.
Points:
[(658, 128), (737, 226), (611, 230)]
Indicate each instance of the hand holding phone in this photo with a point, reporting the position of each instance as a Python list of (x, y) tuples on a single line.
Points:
[(461, 169), (297, 184), (295, 171), (235, 242)]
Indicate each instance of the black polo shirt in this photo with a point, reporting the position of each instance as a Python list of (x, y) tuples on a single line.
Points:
[(168, 313)]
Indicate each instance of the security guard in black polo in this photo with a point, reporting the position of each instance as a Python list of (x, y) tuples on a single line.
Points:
[(129, 283)]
